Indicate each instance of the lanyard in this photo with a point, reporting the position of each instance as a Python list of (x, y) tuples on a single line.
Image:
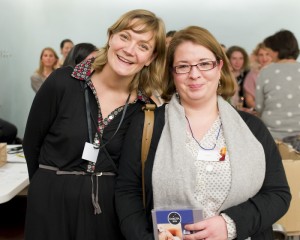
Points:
[(89, 117)]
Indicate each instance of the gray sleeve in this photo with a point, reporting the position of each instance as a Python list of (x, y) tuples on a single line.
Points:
[(259, 92), (36, 82)]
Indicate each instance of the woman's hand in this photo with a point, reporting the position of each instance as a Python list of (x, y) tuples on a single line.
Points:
[(213, 228), (165, 235)]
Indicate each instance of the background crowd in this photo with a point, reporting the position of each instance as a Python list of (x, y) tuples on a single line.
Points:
[(279, 109)]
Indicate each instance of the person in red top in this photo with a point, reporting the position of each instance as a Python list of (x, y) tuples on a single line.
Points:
[(261, 59)]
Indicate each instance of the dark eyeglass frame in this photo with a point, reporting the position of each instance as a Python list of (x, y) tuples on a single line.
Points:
[(198, 65)]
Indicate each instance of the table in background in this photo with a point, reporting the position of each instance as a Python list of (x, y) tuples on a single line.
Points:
[(13, 176)]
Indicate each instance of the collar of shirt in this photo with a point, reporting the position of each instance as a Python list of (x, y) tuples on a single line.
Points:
[(82, 71)]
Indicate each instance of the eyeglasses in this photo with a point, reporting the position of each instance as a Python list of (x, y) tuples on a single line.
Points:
[(202, 66)]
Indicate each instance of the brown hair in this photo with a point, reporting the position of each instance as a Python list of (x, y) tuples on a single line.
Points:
[(203, 37), (285, 43), (149, 78), (232, 49)]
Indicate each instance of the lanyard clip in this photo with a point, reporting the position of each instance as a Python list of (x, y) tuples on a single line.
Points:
[(96, 144)]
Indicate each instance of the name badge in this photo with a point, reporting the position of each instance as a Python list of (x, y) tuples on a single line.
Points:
[(90, 153), (208, 155)]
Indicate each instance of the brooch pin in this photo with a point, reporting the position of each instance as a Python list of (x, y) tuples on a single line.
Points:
[(222, 154)]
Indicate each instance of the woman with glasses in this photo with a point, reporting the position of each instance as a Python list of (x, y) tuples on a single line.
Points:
[(204, 154)]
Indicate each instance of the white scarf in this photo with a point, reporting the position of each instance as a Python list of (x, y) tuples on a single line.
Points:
[(174, 174)]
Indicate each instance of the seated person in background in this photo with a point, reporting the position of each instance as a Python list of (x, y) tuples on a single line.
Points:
[(239, 61), (65, 47), (223, 47), (278, 86), (204, 154), (80, 52), (8, 132), (261, 59), (48, 63)]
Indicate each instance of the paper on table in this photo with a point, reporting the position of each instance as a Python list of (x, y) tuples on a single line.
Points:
[(16, 158)]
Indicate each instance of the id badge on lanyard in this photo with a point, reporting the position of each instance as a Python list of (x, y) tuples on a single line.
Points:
[(90, 153)]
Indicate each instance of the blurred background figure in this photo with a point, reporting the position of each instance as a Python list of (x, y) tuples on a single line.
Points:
[(239, 61), (65, 47), (48, 63), (223, 47), (169, 37), (261, 58), (278, 86), (8, 132), (80, 52)]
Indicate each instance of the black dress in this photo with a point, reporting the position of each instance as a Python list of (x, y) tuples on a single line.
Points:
[(60, 206), (240, 81)]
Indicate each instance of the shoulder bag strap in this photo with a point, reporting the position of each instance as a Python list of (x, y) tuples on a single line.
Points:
[(146, 140)]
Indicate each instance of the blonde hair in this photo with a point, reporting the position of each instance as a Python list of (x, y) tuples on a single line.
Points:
[(203, 37), (150, 77), (258, 47), (40, 70)]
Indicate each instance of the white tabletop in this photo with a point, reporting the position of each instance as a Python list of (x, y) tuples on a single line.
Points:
[(13, 176)]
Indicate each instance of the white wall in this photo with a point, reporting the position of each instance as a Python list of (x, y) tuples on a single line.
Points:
[(27, 26)]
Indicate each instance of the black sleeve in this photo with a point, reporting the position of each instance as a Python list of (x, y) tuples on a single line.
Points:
[(8, 132), (129, 196), (41, 116), (272, 201)]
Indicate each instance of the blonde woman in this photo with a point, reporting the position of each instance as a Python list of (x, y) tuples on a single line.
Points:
[(48, 62), (261, 58), (76, 128)]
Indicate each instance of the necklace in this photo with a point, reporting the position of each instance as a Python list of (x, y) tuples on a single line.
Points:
[(208, 149)]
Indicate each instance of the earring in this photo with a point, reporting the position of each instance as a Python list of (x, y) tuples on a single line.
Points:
[(219, 90)]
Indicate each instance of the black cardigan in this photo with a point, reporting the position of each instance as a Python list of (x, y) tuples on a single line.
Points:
[(253, 218), (56, 130)]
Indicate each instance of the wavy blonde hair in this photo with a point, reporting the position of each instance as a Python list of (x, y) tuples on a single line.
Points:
[(150, 77)]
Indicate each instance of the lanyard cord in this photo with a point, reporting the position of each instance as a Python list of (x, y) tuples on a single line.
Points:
[(89, 117), (208, 149), (88, 112)]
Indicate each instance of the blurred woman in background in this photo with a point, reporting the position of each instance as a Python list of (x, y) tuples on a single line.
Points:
[(261, 59), (48, 63), (80, 52), (65, 47), (278, 86), (239, 61)]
